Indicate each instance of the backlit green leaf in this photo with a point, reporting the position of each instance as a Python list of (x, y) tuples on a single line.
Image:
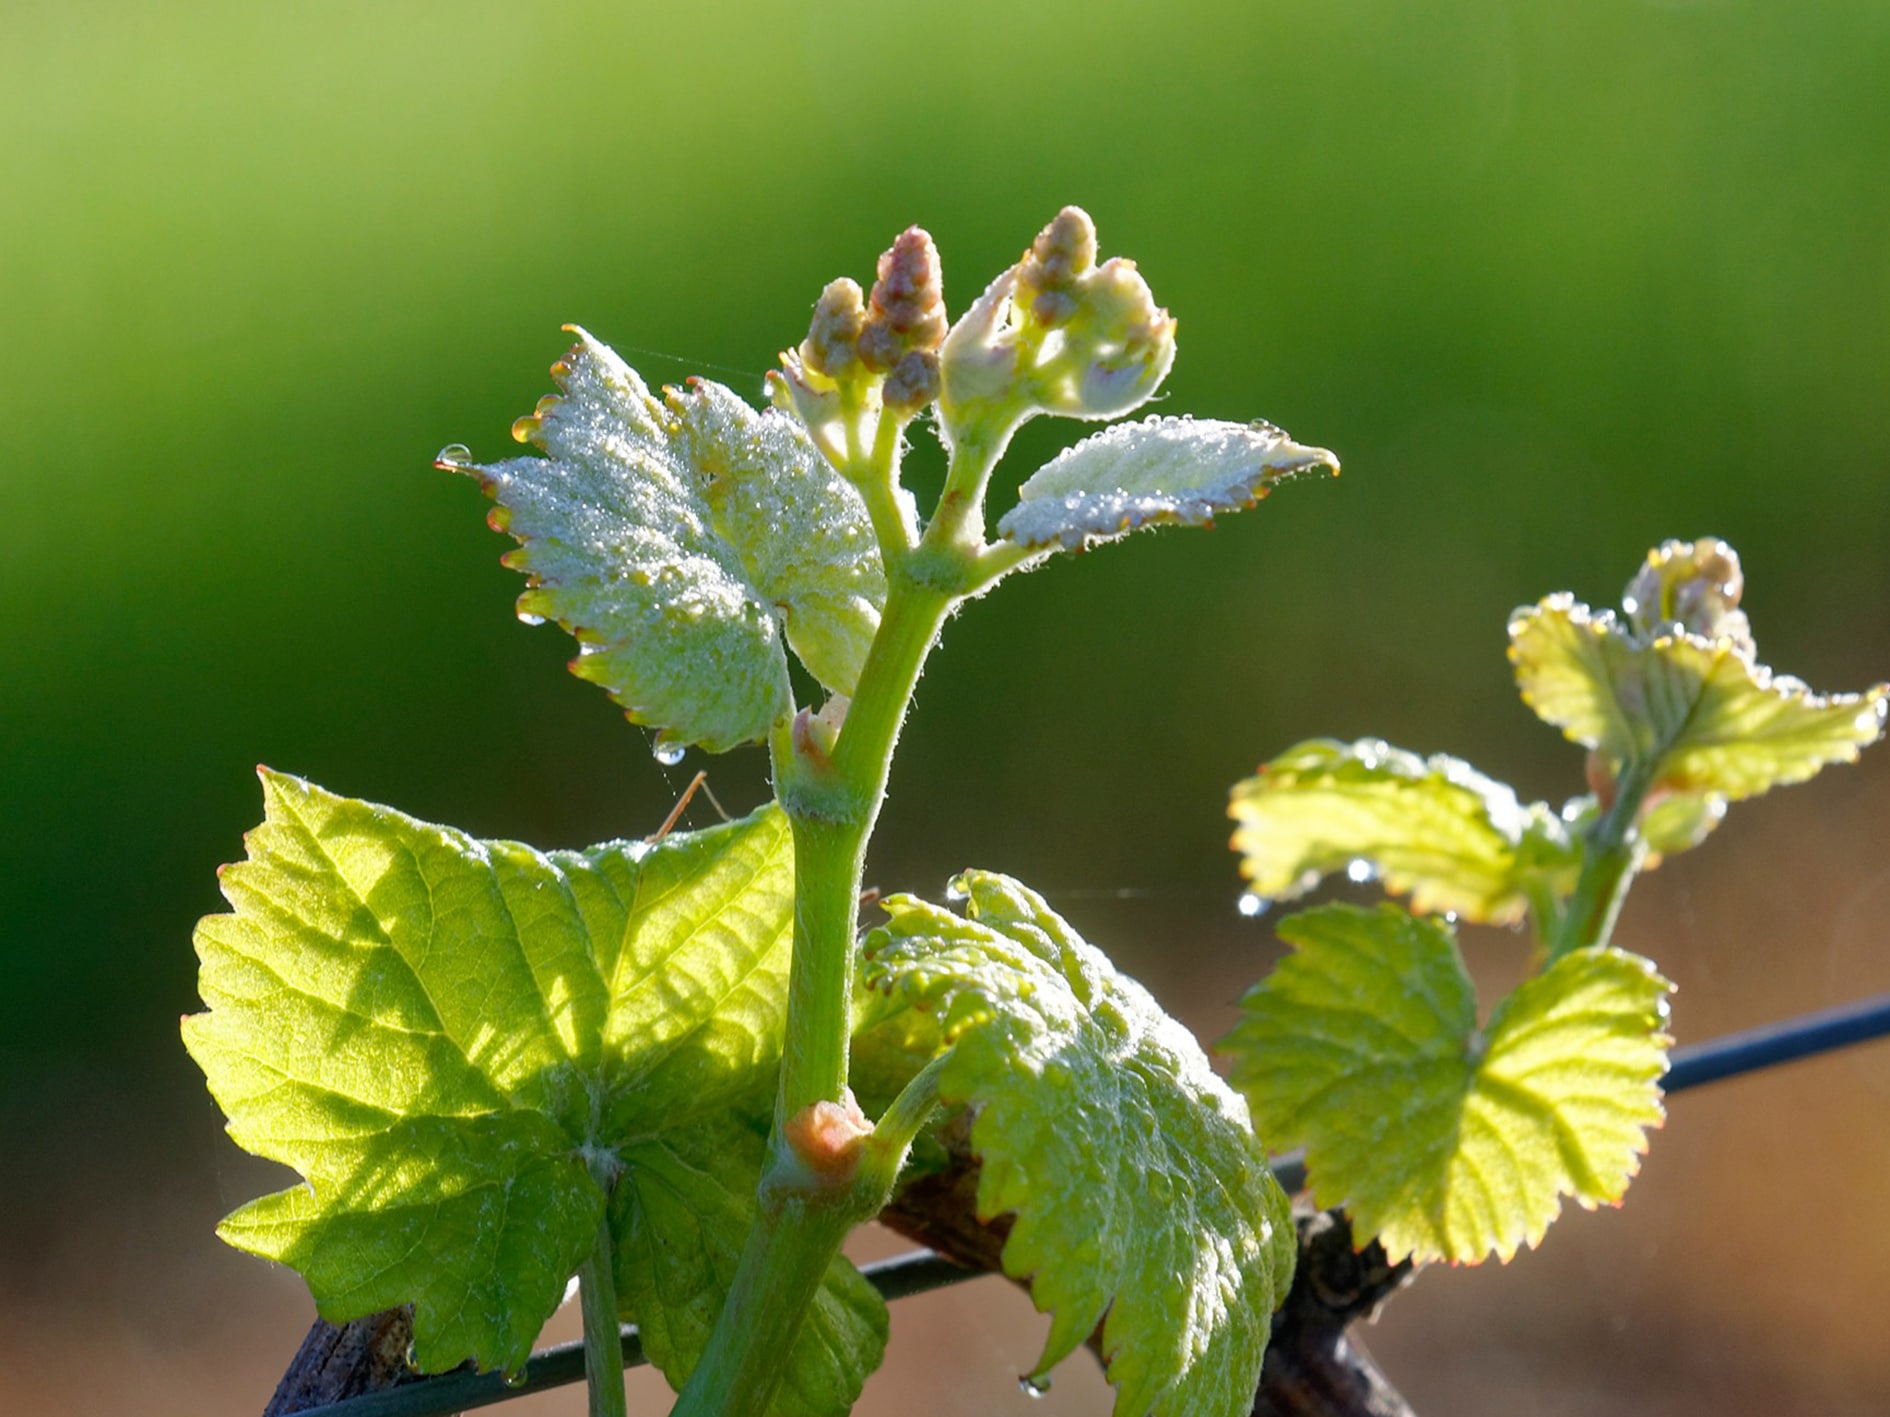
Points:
[(1435, 829), (1157, 471), (1694, 707), (1445, 1140), (1139, 1191), (449, 1038), (679, 539)]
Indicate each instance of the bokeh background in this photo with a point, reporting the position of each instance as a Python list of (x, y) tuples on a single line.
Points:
[(1556, 280)]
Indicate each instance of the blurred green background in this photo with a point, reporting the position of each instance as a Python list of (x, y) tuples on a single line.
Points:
[(1556, 281)]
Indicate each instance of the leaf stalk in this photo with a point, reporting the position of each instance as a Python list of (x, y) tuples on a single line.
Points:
[(1612, 858)]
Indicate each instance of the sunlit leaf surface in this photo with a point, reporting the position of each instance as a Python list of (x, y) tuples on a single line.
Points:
[(679, 539), (445, 1035), (1434, 829), (1446, 1140), (1142, 1199)]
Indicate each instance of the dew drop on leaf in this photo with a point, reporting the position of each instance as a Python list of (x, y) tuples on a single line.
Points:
[(1252, 906), (1033, 1388), (668, 754), (1358, 871), (454, 455), (516, 1378), (527, 618)]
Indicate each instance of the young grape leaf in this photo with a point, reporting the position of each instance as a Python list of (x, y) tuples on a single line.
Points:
[(451, 1039), (1435, 829), (1139, 1189), (1445, 1140), (1697, 710), (677, 539), (1160, 470)]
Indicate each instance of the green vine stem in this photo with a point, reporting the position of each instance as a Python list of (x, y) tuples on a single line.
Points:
[(597, 1298), (603, 1338), (1611, 859), (833, 798)]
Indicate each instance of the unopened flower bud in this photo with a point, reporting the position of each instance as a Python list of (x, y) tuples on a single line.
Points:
[(913, 382), (833, 337), (1055, 334), (908, 303), (1063, 251)]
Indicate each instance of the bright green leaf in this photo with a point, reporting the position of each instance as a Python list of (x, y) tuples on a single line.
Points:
[(1160, 470), (678, 539), (448, 1038), (1435, 829), (1139, 1191), (1445, 1140), (1703, 710)]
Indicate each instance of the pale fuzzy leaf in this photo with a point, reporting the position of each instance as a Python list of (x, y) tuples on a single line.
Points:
[(436, 1031), (674, 541), (1443, 1140), (1713, 719), (1138, 1188), (1435, 829), (1160, 470), (801, 530)]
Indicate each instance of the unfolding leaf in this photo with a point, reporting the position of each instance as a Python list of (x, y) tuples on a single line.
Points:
[(444, 1034), (1139, 1190), (677, 539), (1701, 713), (1445, 1140), (1435, 829), (1157, 471)]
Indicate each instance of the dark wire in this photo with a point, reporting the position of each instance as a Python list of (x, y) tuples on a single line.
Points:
[(921, 1271), (1774, 1043)]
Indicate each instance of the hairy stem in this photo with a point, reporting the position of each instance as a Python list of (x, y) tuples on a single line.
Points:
[(832, 799), (833, 807)]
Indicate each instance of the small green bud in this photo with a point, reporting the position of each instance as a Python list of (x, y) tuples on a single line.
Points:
[(1695, 585)]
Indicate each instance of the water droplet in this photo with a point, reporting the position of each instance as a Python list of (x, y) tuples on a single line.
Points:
[(516, 1378), (1033, 1387), (1358, 871), (1450, 917), (1253, 906), (454, 455), (527, 618), (668, 754), (413, 1363), (955, 890)]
